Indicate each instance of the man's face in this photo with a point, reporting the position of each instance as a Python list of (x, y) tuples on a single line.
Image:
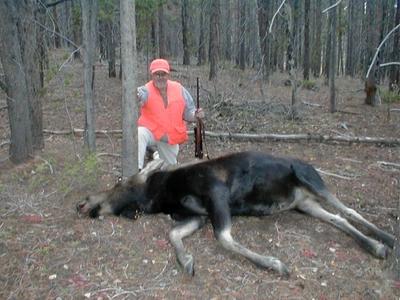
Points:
[(160, 79)]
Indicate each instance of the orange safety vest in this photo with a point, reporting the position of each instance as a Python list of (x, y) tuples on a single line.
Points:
[(161, 120)]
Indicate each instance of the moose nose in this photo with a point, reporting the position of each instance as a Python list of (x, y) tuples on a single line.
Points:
[(79, 207)]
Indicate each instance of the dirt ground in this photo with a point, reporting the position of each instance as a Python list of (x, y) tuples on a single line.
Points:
[(47, 252)]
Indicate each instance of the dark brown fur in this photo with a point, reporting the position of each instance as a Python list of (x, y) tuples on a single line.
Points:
[(242, 184)]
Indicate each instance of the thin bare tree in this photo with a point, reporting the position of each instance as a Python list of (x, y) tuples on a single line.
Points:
[(89, 33), (129, 81)]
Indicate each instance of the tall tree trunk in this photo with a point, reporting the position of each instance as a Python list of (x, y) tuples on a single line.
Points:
[(57, 40), (185, 32), (227, 50), (214, 39), (296, 32), (326, 55), (40, 41), (290, 57), (76, 27), (306, 61), (350, 50), (89, 33), (317, 49), (30, 56), (339, 69), (263, 26), (153, 39), (110, 42), (129, 81), (162, 42), (373, 31), (201, 54), (242, 34), (332, 58), (21, 147), (394, 81)]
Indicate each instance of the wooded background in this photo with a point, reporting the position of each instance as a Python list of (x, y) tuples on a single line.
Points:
[(264, 35)]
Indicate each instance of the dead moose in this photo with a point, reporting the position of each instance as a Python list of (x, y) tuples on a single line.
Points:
[(240, 184)]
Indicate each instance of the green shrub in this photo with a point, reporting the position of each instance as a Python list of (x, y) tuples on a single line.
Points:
[(308, 84), (78, 174), (390, 97)]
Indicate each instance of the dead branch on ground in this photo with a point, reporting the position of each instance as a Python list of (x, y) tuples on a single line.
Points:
[(261, 137)]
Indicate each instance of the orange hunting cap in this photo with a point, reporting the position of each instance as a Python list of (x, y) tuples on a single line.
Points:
[(159, 65)]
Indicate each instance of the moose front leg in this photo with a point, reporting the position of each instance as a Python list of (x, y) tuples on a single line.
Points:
[(182, 230)]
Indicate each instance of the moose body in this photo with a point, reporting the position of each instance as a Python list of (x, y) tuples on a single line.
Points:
[(239, 184)]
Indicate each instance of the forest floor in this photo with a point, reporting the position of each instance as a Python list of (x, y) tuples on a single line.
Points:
[(48, 252)]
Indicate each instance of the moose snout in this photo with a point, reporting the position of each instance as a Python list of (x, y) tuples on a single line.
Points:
[(82, 207), (79, 206)]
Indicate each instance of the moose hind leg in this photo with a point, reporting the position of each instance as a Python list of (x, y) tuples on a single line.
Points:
[(350, 213), (312, 208), (268, 262), (182, 230), (220, 217)]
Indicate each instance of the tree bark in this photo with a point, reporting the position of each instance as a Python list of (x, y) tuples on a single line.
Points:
[(89, 33), (332, 58), (201, 54), (263, 26), (316, 50), (162, 43), (214, 39), (27, 33), (227, 40), (394, 81), (350, 50), (21, 142), (242, 34), (110, 44), (185, 32), (129, 82), (76, 27), (373, 30), (306, 61)]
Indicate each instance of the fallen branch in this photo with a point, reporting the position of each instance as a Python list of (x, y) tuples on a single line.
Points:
[(311, 104), (388, 164), (337, 175), (262, 137), (108, 154), (307, 137), (79, 132)]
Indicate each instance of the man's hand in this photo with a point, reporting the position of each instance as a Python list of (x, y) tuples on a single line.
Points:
[(141, 94), (199, 113)]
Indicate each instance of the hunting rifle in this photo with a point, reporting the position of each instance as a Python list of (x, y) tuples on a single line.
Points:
[(198, 129)]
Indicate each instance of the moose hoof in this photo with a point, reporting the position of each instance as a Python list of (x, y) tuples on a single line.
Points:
[(187, 263), (281, 268), (382, 251), (284, 271)]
